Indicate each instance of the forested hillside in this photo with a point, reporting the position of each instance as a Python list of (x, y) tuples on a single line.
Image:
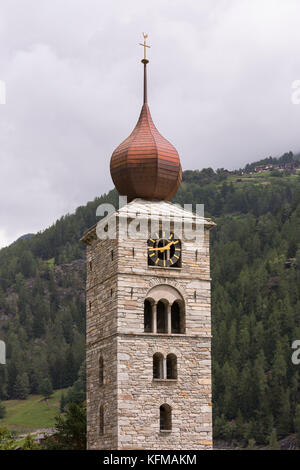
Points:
[(255, 256)]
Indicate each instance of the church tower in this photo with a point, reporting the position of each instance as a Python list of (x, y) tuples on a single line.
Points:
[(148, 306)]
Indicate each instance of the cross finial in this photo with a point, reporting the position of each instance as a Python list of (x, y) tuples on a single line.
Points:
[(145, 35)]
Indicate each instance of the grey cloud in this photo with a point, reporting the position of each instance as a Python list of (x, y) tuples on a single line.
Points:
[(220, 74)]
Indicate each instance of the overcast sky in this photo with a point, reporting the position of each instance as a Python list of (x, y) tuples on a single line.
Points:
[(220, 77)]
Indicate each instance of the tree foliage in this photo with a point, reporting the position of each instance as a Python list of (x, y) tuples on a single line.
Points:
[(255, 264), (46, 388), (71, 430), (7, 440)]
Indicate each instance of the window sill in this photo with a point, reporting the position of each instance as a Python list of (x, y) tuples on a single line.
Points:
[(163, 334), (165, 380), (165, 431)]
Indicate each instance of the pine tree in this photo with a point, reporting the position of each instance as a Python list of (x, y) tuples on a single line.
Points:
[(21, 388), (251, 444), (46, 388), (285, 418), (71, 429), (70, 372), (297, 425), (2, 410), (273, 443), (62, 403), (27, 264)]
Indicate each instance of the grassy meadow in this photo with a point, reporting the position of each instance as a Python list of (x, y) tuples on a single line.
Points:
[(31, 414)]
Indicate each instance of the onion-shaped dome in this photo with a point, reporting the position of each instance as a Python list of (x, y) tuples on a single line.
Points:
[(146, 165)]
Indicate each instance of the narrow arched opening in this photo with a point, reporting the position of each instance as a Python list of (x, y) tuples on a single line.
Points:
[(101, 420), (148, 327), (161, 317), (158, 366), (171, 366), (165, 412)]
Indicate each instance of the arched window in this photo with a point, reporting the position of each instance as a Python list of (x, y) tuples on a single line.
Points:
[(161, 317), (101, 370), (165, 415), (101, 421), (148, 317), (164, 310), (175, 318), (171, 366), (158, 366)]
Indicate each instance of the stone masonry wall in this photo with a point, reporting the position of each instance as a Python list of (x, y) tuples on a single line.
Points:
[(116, 289), (139, 396), (105, 395), (101, 327)]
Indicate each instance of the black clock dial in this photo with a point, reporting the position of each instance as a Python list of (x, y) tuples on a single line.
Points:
[(164, 249)]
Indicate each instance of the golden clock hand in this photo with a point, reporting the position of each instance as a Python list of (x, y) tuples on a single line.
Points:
[(156, 249), (168, 246), (163, 248)]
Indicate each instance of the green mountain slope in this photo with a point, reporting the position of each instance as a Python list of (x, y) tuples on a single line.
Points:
[(32, 414), (255, 257)]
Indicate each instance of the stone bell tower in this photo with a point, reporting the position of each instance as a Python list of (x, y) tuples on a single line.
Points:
[(148, 307)]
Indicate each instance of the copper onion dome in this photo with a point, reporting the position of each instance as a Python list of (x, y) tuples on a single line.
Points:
[(146, 165)]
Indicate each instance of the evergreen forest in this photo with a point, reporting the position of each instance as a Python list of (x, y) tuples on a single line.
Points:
[(255, 268)]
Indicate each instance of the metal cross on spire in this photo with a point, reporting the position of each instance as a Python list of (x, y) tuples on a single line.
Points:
[(145, 62), (144, 44)]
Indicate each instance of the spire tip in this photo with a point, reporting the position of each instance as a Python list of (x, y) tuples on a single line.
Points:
[(144, 44)]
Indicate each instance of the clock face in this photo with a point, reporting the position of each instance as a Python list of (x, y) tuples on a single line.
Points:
[(164, 249)]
